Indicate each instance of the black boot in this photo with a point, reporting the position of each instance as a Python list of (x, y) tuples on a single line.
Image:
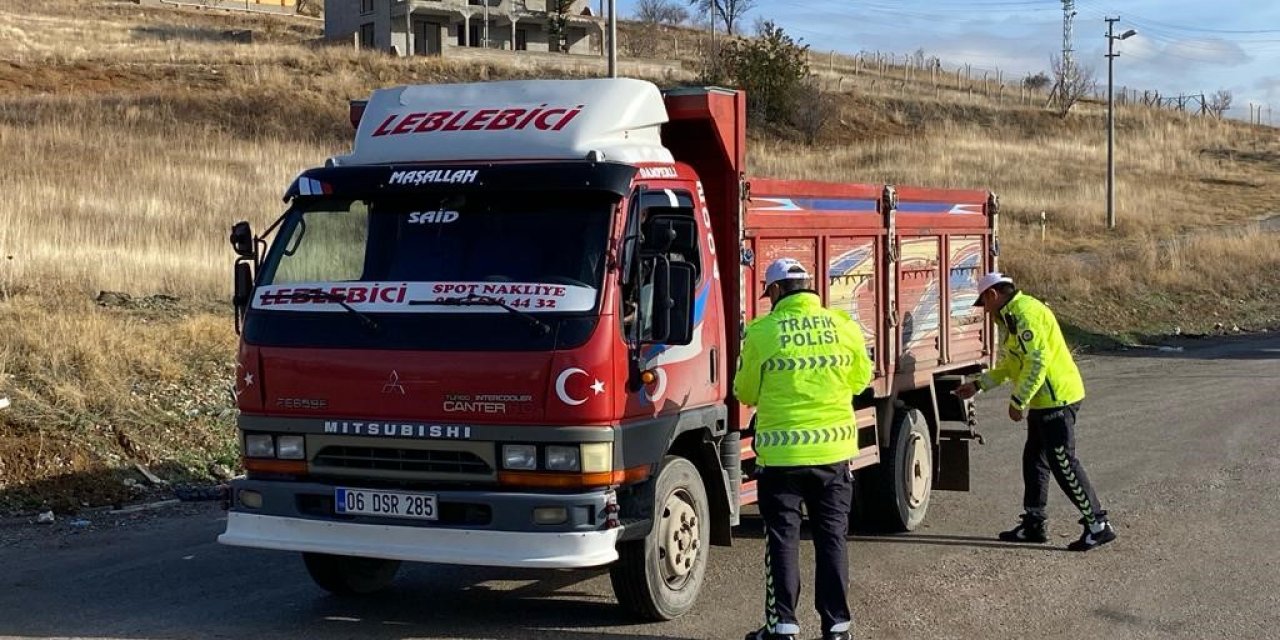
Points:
[(1031, 530), (763, 633), (1090, 539)]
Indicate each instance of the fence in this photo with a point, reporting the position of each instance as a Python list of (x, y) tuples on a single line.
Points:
[(917, 73)]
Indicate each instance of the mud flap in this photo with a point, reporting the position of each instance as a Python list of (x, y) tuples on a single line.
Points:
[(953, 467)]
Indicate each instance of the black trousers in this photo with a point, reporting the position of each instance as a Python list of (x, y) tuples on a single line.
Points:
[(827, 492), (1051, 449)]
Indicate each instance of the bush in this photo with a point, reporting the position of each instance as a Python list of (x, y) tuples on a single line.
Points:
[(814, 109), (1037, 82), (772, 68)]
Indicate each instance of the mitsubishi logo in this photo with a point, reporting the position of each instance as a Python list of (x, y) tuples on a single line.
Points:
[(393, 384)]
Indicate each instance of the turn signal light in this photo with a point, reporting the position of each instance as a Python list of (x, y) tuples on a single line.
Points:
[(648, 377), (292, 467), (572, 480)]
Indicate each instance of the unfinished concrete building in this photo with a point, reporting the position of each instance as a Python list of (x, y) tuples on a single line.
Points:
[(434, 27)]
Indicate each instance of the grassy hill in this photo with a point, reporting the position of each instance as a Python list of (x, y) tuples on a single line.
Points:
[(133, 137)]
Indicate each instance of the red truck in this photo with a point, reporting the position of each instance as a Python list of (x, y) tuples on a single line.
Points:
[(502, 331)]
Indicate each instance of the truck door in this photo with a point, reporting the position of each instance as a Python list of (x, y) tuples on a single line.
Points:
[(690, 375)]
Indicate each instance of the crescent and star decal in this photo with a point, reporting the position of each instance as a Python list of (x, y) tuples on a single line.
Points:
[(563, 379)]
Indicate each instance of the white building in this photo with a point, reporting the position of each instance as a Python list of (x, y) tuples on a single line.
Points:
[(433, 27)]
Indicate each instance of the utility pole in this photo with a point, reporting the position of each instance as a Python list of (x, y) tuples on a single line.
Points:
[(1111, 118), (613, 38)]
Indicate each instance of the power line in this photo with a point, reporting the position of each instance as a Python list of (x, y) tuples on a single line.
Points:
[(1175, 27), (1158, 25), (871, 12)]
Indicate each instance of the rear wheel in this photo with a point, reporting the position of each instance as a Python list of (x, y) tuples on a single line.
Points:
[(659, 577), (349, 575), (893, 496)]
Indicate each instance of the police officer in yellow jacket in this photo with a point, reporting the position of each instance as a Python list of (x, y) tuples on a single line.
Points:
[(1048, 391), (801, 367)]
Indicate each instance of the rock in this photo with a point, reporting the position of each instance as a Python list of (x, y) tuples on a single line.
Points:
[(1235, 328), (146, 473), (45, 517), (160, 301), (113, 298), (188, 493), (79, 523), (220, 472)]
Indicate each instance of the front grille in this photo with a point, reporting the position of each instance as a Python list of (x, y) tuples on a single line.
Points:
[(410, 460)]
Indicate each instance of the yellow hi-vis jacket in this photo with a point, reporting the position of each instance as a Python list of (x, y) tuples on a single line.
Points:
[(1035, 356), (801, 367)]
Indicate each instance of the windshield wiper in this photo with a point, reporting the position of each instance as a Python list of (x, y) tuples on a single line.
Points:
[(474, 300), (342, 301)]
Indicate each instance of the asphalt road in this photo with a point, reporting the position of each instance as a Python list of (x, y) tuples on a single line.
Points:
[(1181, 447)]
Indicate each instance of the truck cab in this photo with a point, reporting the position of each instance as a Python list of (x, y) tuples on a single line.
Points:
[(501, 332)]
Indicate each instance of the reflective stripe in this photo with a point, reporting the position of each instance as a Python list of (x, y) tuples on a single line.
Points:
[(1077, 492), (810, 362), (1036, 359), (794, 437)]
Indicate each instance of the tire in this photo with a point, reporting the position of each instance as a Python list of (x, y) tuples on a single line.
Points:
[(349, 575), (893, 496), (658, 578)]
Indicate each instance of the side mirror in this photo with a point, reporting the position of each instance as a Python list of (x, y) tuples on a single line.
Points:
[(670, 230), (673, 302), (355, 111), (243, 285), (242, 240), (243, 292)]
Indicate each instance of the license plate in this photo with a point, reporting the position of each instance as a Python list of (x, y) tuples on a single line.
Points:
[(386, 504)]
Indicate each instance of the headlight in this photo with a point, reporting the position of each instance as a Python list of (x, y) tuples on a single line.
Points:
[(597, 457), (259, 445), (291, 448), (560, 458), (519, 456)]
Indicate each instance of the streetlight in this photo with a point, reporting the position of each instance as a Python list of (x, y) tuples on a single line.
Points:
[(1111, 118)]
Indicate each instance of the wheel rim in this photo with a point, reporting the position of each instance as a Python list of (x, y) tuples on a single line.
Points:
[(919, 470), (679, 535)]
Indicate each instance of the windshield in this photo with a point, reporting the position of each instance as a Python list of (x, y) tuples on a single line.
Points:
[(400, 257), (390, 256)]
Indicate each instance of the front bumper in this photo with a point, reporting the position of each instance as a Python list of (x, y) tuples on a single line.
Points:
[(490, 528), (423, 544)]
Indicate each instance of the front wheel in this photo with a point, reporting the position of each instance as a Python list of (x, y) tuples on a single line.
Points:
[(659, 577), (349, 575)]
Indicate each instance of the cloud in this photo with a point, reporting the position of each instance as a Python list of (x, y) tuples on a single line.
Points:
[(1186, 52), (1269, 85), (1214, 51)]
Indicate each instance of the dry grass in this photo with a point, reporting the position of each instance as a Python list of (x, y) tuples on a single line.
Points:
[(138, 201), (1183, 253), (95, 389), (131, 150)]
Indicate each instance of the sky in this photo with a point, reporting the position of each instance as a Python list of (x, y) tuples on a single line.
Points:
[(1182, 46)]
